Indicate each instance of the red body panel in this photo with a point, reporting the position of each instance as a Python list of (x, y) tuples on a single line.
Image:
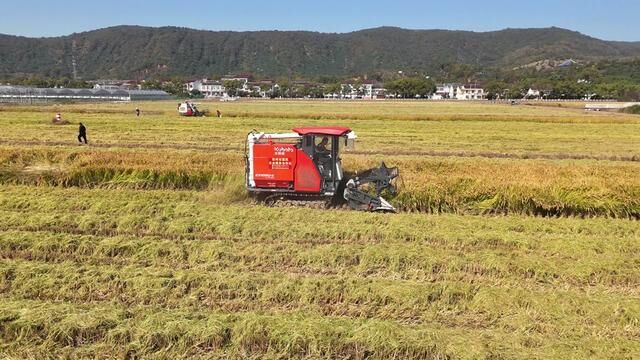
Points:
[(273, 165), (307, 177), (285, 167)]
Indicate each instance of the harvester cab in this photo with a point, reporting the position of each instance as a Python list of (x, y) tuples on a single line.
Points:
[(305, 166)]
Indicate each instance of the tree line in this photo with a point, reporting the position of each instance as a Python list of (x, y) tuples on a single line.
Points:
[(608, 79)]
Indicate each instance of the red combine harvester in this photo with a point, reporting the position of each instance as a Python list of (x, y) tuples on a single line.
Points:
[(305, 167), (188, 108)]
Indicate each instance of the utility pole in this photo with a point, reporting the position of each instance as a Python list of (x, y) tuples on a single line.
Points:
[(290, 84)]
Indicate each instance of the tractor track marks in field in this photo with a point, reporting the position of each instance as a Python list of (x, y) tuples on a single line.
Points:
[(50, 110), (434, 153), (123, 145), (297, 261), (305, 242), (573, 116), (498, 155), (468, 275), (232, 321), (329, 309)]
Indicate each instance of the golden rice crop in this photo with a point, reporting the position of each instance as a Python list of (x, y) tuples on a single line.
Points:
[(431, 184)]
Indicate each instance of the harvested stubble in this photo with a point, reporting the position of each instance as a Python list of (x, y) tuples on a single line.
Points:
[(169, 273)]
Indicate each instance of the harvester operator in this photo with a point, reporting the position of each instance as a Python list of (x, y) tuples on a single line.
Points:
[(321, 148), (323, 158)]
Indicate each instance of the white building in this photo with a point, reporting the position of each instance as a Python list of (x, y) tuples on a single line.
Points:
[(373, 90), (459, 92), (212, 89), (208, 88), (106, 87), (244, 81), (116, 85), (470, 92), (532, 94), (194, 85), (446, 91), (264, 87), (367, 90)]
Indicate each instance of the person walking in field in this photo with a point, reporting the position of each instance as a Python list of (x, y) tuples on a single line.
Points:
[(82, 134), (219, 113), (137, 112)]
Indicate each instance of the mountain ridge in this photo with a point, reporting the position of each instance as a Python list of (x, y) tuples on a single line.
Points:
[(132, 51)]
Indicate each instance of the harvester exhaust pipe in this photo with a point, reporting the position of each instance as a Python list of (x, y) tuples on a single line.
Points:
[(381, 178)]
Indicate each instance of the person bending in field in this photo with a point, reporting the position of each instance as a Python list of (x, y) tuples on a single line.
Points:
[(82, 134), (137, 111)]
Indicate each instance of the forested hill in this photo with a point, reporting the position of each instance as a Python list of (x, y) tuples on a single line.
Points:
[(142, 52)]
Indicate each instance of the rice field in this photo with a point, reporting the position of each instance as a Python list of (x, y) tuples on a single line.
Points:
[(517, 238)]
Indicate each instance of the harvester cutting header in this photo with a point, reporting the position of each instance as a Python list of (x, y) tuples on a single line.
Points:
[(305, 166)]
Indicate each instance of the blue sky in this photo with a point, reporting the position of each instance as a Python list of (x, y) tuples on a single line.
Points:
[(610, 20)]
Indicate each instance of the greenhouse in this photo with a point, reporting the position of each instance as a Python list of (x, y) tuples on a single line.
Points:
[(20, 94)]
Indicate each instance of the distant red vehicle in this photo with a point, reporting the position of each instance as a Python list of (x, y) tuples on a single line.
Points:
[(188, 108), (305, 166)]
